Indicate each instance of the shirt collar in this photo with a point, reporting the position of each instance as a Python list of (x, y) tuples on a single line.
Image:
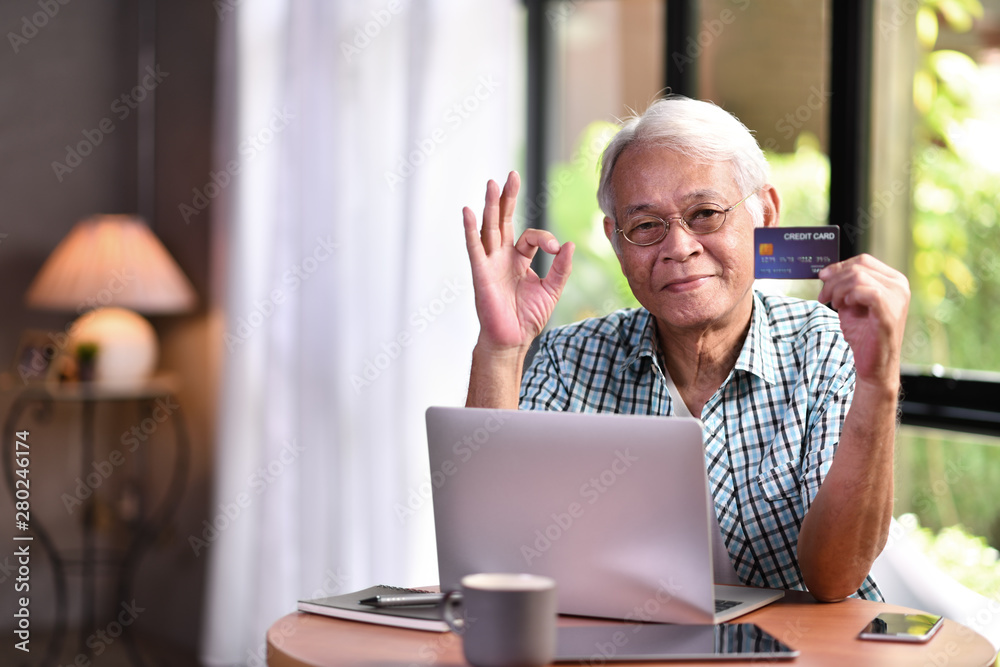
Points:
[(757, 356), (641, 342)]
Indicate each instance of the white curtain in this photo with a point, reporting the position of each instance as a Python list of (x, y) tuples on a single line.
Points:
[(350, 134)]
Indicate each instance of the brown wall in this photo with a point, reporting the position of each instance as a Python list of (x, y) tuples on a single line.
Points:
[(59, 77)]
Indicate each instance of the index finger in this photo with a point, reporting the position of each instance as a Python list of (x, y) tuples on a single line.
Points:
[(508, 200), (851, 271), (864, 261)]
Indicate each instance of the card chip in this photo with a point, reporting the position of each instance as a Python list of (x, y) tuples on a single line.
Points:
[(766, 249)]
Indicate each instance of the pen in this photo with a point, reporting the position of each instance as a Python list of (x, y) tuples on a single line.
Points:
[(403, 600)]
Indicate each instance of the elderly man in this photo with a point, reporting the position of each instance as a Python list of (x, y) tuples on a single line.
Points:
[(798, 402)]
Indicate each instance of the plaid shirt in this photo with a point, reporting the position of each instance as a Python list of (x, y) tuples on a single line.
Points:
[(770, 430)]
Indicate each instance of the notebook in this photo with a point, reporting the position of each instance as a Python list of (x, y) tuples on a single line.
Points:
[(615, 508), (424, 617)]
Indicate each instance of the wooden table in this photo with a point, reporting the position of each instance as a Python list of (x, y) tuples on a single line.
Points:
[(826, 634)]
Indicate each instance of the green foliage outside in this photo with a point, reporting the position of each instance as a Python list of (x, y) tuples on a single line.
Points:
[(802, 179), (966, 558), (950, 483), (596, 286), (949, 480), (955, 272)]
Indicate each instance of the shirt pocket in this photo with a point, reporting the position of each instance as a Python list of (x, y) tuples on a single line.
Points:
[(780, 482)]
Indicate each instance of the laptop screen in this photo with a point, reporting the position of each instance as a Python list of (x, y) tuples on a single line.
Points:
[(613, 507)]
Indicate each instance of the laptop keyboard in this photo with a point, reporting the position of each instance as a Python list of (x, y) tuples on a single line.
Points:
[(723, 605)]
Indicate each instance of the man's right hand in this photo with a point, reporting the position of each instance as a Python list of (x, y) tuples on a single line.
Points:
[(512, 302)]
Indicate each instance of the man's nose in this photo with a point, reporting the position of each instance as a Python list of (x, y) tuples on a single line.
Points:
[(679, 243)]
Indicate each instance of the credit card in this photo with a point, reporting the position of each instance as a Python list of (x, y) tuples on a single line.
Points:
[(794, 252)]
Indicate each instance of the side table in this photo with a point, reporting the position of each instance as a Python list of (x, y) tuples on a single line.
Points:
[(147, 525)]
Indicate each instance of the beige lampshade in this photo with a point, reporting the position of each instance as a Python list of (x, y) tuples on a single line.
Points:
[(111, 260)]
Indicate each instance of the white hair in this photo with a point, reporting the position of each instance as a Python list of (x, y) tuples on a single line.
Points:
[(701, 131)]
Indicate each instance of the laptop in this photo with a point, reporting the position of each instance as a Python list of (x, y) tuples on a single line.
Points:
[(615, 508)]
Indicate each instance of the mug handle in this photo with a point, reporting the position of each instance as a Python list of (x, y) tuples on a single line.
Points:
[(451, 600)]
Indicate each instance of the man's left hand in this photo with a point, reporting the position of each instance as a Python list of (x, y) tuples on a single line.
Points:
[(872, 300)]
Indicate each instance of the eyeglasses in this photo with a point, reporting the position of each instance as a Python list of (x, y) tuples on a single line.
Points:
[(703, 218)]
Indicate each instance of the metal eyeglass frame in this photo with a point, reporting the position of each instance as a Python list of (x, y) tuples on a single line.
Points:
[(683, 220)]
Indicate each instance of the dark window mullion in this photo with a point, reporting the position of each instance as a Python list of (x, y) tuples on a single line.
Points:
[(681, 74), (850, 112)]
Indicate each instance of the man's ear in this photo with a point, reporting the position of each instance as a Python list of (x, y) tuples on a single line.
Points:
[(609, 228), (772, 205), (609, 231)]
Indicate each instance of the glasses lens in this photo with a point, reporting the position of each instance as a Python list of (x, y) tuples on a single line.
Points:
[(704, 218), (644, 230)]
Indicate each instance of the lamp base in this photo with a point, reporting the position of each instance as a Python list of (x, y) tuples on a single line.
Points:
[(125, 345)]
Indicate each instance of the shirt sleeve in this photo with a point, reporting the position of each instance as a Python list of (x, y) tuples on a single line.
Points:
[(832, 388), (542, 387), (836, 381)]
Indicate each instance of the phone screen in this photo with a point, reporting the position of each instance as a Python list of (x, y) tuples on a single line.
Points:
[(902, 627)]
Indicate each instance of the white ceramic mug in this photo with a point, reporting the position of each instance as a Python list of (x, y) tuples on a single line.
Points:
[(507, 620)]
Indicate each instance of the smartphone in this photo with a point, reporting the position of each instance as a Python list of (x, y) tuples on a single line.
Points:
[(896, 627)]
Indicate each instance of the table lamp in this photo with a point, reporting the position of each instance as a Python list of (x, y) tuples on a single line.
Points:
[(107, 268)]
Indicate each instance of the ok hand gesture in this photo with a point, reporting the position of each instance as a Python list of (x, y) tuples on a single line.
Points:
[(512, 302)]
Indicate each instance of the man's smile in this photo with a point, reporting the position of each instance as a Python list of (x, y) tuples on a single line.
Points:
[(686, 283)]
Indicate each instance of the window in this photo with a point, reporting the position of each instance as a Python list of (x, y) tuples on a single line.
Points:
[(935, 191)]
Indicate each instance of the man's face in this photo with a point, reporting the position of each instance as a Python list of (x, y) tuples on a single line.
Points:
[(686, 281)]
